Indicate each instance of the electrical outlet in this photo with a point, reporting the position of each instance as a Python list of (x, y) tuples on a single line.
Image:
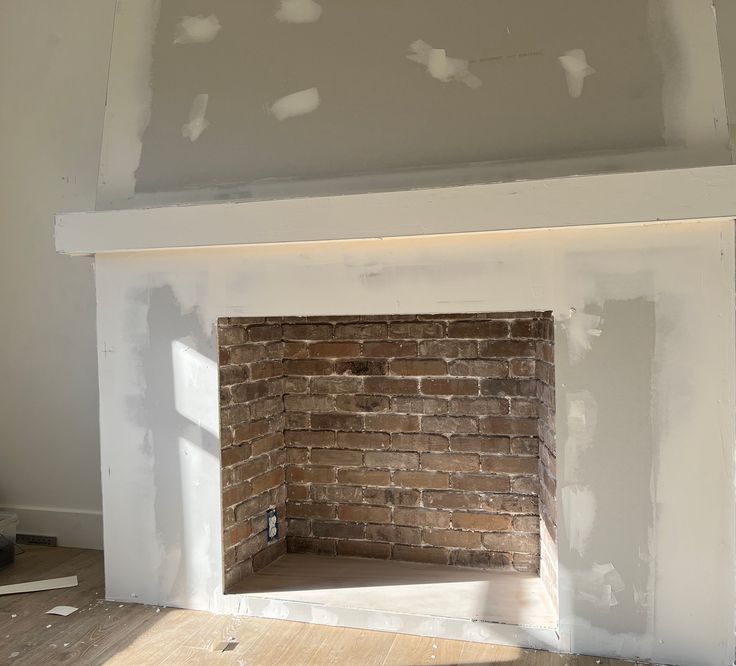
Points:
[(35, 540), (272, 525)]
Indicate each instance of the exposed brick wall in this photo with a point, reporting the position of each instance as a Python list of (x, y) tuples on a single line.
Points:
[(413, 438), (252, 442)]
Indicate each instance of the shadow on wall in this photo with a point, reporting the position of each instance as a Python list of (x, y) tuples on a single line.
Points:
[(606, 443), (176, 377)]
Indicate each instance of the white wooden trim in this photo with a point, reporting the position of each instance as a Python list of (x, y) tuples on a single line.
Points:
[(699, 193)]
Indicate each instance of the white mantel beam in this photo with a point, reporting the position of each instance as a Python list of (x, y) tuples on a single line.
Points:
[(681, 194)]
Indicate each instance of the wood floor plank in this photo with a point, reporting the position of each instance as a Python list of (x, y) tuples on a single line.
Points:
[(106, 632)]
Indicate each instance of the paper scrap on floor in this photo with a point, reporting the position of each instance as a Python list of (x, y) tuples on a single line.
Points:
[(62, 610), (39, 585)]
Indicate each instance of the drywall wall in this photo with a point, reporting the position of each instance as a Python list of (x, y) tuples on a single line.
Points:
[(249, 100), (645, 385), (53, 72)]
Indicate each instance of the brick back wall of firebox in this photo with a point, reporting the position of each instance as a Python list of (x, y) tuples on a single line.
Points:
[(405, 437)]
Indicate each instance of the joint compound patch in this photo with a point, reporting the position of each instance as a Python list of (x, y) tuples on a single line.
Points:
[(576, 69), (298, 11), (440, 66), (296, 104), (579, 509), (197, 29), (581, 328), (197, 122)]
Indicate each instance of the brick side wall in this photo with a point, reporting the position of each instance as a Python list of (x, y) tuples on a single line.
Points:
[(412, 438), (252, 443)]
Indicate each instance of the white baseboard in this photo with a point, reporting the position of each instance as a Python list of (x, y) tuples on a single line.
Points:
[(74, 528)]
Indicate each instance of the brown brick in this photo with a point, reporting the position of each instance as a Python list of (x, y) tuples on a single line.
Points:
[(233, 374), (307, 331), (308, 545), (251, 507), (250, 469), (361, 367), (486, 522), (507, 348), (363, 440), (309, 438), (416, 329), (420, 405), (296, 384), (478, 444), (450, 462), (418, 442), (526, 563), (235, 454), (336, 384), (263, 409), (449, 348), (479, 406), (511, 543), (522, 367), (297, 492), (451, 538), (309, 403), (391, 385), (362, 403), (361, 331), (268, 443), (362, 513), (509, 464), (264, 333), (450, 499), (422, 517), (236, 494), (509, 503), (481, 559), (422, 479), (234, 414), (417, 367), (392, 496), (526, 524), (338, 530), (335, 493), (478, 368), (392, 460), (525, 485), (394, 534), (525, 446), (308, 366), (448, 425), (481, 483), (478, 329), (232, 335), (445, 386), (310, 474), (248, 353), (334, 349), (389, 349), (332, 421), (420, 554), (336, 457), (269, 480), (310, 510), (500, 425), (508, 387), (523, 328), (525, 408), (392, 422), (298, 527), (236, 534), (364, 549), (297, 456), (364, 477)]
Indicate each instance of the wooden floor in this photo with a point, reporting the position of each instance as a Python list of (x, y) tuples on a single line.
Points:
[(103, 632)]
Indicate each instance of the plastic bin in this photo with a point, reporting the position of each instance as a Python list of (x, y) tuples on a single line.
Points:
[(8, 523)]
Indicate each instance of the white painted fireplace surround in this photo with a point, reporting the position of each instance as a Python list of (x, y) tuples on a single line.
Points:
[(645, 376)]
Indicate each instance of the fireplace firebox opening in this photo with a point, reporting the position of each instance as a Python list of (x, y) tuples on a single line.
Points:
[(413, 438)]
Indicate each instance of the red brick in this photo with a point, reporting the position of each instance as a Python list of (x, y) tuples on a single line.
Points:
[(499, 425), (310, 510), (335, 493), (480, 558), (250, 469), (296, 350), (236, 534), (418, 367), (449, 348), (509, 503), (477, 444), (392, 460), (310, 474), (451, 538), (264, 333), (478, 329), (392, 496), (232, 335), (362, 513), (511, 542), (522, 367), (309, 545), (334, 349), (420, 554), (394, 534), (525, 446), (508, 387), (507, 348), (450, 462), (422, 479), (236, 494), (269, 480), (445, 386), (481, 483), (418, 442), (450, 499), (485, 522), (364, 549), (297, 492), (526, 524), (422, 517), (235, 454), (478, 368), (479, 406), (448, 425), (509, 464)]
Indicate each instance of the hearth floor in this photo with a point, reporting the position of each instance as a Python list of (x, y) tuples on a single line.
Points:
[(426, 590)]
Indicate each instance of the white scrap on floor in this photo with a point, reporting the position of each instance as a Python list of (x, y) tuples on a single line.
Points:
[(62, 610), (39, 585)]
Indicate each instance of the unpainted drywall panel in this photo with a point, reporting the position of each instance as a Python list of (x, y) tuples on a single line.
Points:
[(358, 96), (645, 388)]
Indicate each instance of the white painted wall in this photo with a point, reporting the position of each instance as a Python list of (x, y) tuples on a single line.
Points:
[(53, 75), (644, 352)]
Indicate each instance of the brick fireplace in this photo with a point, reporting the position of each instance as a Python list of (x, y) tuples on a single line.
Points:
[(426, 438)]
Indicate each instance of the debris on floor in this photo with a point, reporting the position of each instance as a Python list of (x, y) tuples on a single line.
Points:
[(62, 610), (38, 585)]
